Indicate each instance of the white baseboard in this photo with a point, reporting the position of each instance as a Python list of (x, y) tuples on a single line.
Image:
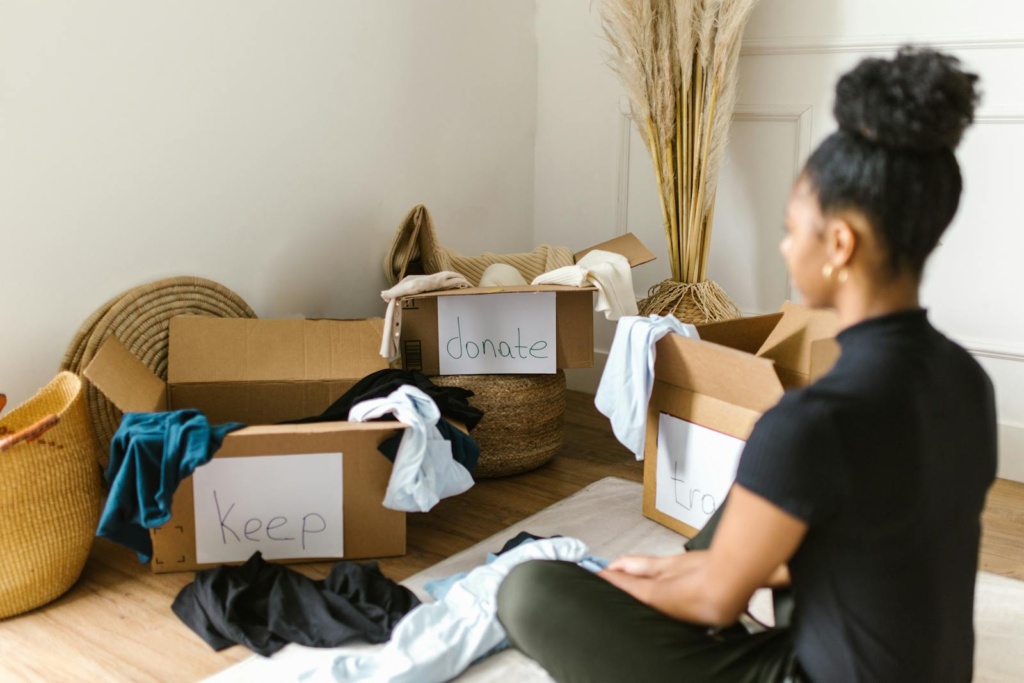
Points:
[(1011, 436), (587, 379), (1011, 452)]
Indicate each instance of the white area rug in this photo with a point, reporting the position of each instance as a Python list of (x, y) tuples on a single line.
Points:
[(606, 516)]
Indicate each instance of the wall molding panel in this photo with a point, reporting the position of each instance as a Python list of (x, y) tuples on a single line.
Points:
[(1011, 451), (1011, 434), (829, 45), (800, 115), (987, 348), (999, 117), (622, 200)]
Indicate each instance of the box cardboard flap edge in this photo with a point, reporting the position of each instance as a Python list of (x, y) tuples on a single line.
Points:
[(744, 334), (792, 342), (125, 380), (204, 349), (503, 289), (628, 245), (720, 372)]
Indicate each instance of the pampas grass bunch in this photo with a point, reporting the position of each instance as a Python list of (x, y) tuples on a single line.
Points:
[(678, 61)]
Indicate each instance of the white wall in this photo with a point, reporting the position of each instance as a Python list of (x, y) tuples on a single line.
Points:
[(594, 178), (271, 146)]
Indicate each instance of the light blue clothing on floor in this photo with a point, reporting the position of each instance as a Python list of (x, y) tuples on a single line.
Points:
[(436, 642), (438, 588), (424, 471), (625, 387), (593, 563)]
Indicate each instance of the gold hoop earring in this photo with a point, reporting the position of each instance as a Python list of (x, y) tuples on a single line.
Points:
[(826, 271), (842, 275)]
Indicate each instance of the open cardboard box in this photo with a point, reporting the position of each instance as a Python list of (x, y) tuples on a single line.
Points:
[(261, 372), (709, 393), (574, 314)]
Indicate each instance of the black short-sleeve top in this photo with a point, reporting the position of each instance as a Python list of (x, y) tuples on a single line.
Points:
[(887, 458)]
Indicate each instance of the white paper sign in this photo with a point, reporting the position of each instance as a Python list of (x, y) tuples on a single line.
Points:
[(493, 334), (696, 467), (286, 506)]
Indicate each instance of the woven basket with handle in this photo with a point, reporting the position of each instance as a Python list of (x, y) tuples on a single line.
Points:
[(49, 495)]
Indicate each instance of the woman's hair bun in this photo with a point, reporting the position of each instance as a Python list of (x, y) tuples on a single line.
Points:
[(921, 99)]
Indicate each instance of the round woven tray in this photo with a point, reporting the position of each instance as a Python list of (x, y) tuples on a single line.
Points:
[(140, 319), (523, 417)]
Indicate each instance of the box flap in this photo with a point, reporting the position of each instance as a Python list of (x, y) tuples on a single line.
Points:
[(789, 344), (743, 334), (125, 380), (319, 428), (628, 245), (258, 402), (505, 289), (824, 354), (717, 371), (204, 349)]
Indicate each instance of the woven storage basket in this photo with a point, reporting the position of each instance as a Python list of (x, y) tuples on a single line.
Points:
[(140, 318), (523, 418), (49, 498)]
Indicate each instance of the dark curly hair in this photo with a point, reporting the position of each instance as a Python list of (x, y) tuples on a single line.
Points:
[(892, 158)]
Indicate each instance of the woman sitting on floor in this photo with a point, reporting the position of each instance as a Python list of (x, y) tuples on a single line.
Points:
[(867, 485)]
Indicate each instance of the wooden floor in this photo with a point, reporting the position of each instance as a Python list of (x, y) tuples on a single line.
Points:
[(116, 623)]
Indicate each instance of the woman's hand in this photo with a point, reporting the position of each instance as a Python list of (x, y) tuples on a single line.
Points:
[(643, 565), (753, 542)]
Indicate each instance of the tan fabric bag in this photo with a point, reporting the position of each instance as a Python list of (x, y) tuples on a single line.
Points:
[(416, 241)]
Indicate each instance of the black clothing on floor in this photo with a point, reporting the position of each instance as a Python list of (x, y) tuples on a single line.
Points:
[(451, 401), (521, 538), (579, 627), (888, 459), (266, 606), (465, 450)]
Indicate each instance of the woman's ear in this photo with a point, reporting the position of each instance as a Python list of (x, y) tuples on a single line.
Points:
[(840, 241)]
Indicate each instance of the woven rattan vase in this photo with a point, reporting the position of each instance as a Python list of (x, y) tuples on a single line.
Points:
[(523, 418), (49, 498), (694, 303)]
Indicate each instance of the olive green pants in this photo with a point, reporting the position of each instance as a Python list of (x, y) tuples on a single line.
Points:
[(581, 628)]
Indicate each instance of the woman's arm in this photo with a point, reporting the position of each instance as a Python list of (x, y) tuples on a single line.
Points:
[(750, 548)]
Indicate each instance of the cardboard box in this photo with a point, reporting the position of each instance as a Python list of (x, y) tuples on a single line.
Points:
[(261, 372), (709, 393), (573, 317)]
